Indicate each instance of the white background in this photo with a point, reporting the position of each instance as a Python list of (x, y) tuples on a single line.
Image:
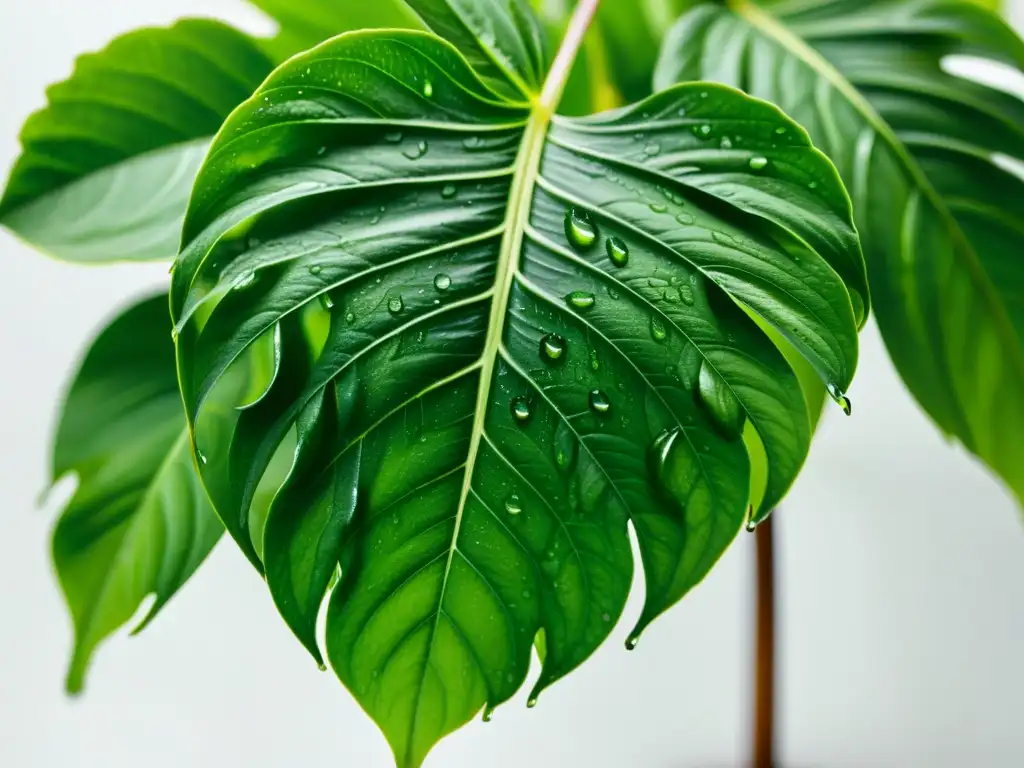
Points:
[(902, 572)]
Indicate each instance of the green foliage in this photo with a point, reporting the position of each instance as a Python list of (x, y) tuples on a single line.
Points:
[(494, 336), (927, 157), (139, 522), (109, 163)]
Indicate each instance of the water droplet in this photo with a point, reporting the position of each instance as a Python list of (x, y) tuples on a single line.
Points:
[(632, 642), (595, 364), (813, 185), (488, 713), (652, 150), (703, 94), (725, 143), (659, 207), (720, 401), (580, 299), (606, 617), (315, 269), (658, 331), (321, 666), (449, 191), (442, 282), (531, 703), (580, 229), (417, 152), (513, 505), (350, 318), (599, 402), (428, 89), (326, 301), (841, 399), (781, 130), (565, 447), (618, 252), (246, 281), (758, 163), (705, 129), (686, 219), (395, 305), (472, 142), (552, 348), (394, 137), (520, 408)]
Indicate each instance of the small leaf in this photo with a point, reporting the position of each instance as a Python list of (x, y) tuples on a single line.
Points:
[(933, 163), (139, 522), (108, 164), (497, 390)]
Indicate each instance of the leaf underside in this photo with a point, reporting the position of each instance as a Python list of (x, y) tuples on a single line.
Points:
[(139, 522), (929, 161), (495, 337)]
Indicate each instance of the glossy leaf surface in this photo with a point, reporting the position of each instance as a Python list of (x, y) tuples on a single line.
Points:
[(928, 158), (497, 336), (139, 523), (108, 164)]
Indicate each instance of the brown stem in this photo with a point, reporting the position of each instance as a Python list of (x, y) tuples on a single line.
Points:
[(764, 660)]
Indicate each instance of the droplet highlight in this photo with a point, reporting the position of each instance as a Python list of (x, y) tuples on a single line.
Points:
[(395, 305), (553, 348), (580, 300), (599, 402), (442, 282), (758, 163), (658, 330), (580, 229), (618, 252), (520, 408), (513, 505)]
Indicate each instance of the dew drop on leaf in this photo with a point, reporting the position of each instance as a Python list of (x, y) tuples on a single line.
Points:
[(315, 269), (350, 318), (326, 301), (513, 505), (580, 299), (599, 402), (705, 129), (618, 252), (417, 152), (428, 89), (595, 364), (394, 137), (531, 703), (659, 207), (552, 348), (246, 281), (652, 150), (758, 163), (841, 399), (520, 408), (658, 331), (580, 229), (442, 282), (632, 642), (720, 402), (395, 305), (449, 191)]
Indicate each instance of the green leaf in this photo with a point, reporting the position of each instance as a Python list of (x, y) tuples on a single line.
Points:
[(305, 23), (139, 522), (928, 159), (108, 164), (498, 336)]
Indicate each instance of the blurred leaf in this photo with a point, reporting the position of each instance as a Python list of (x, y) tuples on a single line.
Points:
[(933, 162), (139, 523), (496, 336), (108, 164)]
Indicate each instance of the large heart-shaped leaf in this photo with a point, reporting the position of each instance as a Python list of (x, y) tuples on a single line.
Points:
[(139, 523), (926, 156), (108, 164), (497, 336)]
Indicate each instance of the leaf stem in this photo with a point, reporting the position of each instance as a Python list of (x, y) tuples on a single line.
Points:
[(763, 747), (558, 76)]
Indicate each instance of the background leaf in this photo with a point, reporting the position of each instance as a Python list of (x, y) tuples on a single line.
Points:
[(933, 164), (139, 522), (108, 164), (496, 337)]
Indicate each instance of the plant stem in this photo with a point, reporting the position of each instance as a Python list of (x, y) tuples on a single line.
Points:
[(558, 75), (764, 660)]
